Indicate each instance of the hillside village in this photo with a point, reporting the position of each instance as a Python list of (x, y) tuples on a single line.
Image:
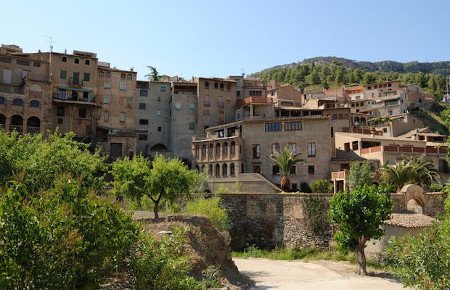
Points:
[(227, 126)]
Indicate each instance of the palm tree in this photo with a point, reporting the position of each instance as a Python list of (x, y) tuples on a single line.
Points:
[(285, 159), (424, 172), (397, 174)]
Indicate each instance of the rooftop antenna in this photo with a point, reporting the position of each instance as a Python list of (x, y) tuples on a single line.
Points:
[(51, 43)]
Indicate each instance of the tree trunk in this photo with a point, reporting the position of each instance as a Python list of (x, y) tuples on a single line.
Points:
[(361, 257), (285, 183), (156, 209)]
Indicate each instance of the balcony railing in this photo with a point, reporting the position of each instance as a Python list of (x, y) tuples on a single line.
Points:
[(70, 97), (16, 128), (253, 100), (33, 130)]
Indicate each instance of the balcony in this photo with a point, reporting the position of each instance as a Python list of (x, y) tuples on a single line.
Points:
[(405, 149), (253, 100), (74, 98), (33, 130), (10, 89), (17, 128)]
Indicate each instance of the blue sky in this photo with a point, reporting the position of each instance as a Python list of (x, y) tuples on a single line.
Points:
[(221, 38)]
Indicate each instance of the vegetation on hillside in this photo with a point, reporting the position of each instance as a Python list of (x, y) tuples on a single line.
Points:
[(330, 72)]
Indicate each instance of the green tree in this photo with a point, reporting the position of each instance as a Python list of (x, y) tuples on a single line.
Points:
[(359, 174), (154, 74), (358, 215), (424, 172), (166, 180), (321, 186), (398, 175), (285, 159)]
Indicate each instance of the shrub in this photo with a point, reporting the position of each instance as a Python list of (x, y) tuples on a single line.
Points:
[(161, 264), (304, 187), (65, 238), (211, 277), (321, 186), (211, 209)]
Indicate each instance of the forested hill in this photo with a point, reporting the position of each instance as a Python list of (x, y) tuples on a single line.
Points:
[(319, 72)]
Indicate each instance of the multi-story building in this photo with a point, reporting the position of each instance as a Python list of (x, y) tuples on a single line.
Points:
[(153, 117), (183, 119), (284, 95), (25, 91), (245, 146), (216, 101), (117, 110)]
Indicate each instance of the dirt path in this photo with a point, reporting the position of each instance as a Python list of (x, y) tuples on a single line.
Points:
[(269, 274)]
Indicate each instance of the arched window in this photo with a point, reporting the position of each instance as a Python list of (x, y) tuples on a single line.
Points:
[(35, 104), (224, 169), (217, 150), (17, 102), (87, 62), (34, 122), (276, 147), (211, 150), (197, 151), (2, 100), (76, 60), (217, 170), (232, 169), (203, 151), (225, 150), (233, 148)]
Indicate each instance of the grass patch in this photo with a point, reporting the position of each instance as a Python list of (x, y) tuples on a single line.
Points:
[(305, 254)]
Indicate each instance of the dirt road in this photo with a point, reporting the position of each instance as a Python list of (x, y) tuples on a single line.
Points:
[(314, 275)]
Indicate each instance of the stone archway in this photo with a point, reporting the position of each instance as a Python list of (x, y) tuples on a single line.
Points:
[(414, 198)]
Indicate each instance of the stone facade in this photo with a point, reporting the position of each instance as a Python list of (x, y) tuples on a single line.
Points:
[(270, 220)]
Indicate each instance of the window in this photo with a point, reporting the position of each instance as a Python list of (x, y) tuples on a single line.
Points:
[(86, 77), (347, 146), (143, 93), (256, 169), (7, 76), (271, 127), (311, 146), (192, 126), (332, 132), (2, 100), (17, 102), (63, 74), (192, 107), (207, 85), (177, 106), (221, 86), (162, 88), (142, 106), (158, 99), (82, 112), (355, 145), (159, 129), (228, 88), (87, 62), (143, 121), (129, 102), (34, 104), (60, 120), (311, 169), (123, 76), (106, 100), (122, 86), (76, 60), (275, 169), (158, 112), (76, 78), (64, 59), (122, 117), (106, 116), (293, 147), (216, 86), (101, 73), (60, 111), (256, 151), (292, 126), (36, 64), (276, 147), (143, 136), (293, 170), (129, 76), (107, 84)]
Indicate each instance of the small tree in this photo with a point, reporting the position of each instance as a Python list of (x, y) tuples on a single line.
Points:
[(168, 179), (360, 174), (321, 186), (163, 179), (358, 215), (285, 159)]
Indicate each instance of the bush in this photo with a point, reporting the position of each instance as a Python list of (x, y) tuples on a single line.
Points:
[(65, 238), (321, 186), (211, 209), (161, 264)]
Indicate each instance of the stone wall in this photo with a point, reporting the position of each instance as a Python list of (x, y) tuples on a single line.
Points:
[(277, 220), (269, 220)]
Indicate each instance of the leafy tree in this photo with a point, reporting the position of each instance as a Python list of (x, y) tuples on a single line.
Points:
[(424, 172), (285, 159), (359, 175), (64, 238), (398, 175), (358, 215), (321, 186), (40, 161), (154, 74), (165, 179)]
